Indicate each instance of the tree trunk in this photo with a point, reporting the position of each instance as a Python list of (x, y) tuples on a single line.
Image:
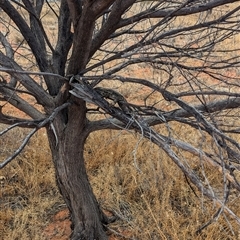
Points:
[(86, 216)]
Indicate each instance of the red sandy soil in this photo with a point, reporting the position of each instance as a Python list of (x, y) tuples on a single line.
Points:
[(59, 228)]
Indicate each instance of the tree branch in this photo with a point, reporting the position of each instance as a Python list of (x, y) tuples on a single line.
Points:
[(182, 11), (38, 92), (11, 97), (119, 7), (19, 150), (75, 7), (64, 41), (140, 45), (99, 6), (9, 54), (46, 121), (27, 34), (36, 24)]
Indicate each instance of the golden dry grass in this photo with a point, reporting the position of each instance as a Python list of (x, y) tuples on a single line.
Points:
[(146, 190)]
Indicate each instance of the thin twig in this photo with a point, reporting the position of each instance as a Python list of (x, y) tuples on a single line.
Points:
[(43, 123), (16, 125), (22, 146), (11, 70)]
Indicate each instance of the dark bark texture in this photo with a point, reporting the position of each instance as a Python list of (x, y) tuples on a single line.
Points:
[(86, 215)]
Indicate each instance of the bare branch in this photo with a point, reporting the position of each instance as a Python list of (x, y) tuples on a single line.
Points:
[(75, 8), (101, 5), (172, 12), (36, 48), (11, 70), (19, 150), (43, 123), (26, 81), (11, 97), (119, 7), (64, 41), (9, 54), (36, 24), (11, 120)]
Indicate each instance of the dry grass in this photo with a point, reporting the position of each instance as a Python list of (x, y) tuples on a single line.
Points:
[(138, 182), (28, 192)]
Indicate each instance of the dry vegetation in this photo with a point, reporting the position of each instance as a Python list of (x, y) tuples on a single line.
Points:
[(130, 177), (135, 180)]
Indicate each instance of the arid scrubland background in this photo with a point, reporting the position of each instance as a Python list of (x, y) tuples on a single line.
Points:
[(130, 177)]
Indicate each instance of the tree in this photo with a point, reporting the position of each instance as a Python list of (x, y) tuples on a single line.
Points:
[(99, 46)]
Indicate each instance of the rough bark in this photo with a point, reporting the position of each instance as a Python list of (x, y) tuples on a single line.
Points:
[(87, 218)]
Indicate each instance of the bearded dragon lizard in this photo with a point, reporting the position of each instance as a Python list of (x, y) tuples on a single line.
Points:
[(115, 97)]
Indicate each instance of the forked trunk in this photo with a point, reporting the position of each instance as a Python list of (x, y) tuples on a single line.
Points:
[(67, 146)]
